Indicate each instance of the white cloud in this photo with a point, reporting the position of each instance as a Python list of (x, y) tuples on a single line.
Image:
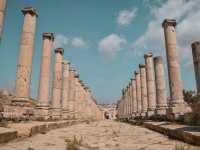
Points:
[(187, 14), (60, 41), (63, 40), (125, 17), (110, 45), (78, 42)]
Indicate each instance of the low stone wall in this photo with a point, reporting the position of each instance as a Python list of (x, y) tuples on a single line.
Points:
[(27, 129), (7, 134), (188, 134)]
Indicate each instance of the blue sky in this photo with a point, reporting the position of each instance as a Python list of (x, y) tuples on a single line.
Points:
[(104, 39)]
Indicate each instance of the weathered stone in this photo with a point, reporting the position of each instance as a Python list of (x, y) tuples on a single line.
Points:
[(151, 90), (161, 94), (196, 61), (57, 84), (143, 89), (24, 67), (138, 93), (177, 105), (7, 135)]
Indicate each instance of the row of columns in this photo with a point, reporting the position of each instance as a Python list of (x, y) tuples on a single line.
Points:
[(148, 88), (70, 98)]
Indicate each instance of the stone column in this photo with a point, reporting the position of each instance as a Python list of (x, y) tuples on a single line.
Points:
[(57, 84), (43, 95), (151, 90), (177, 106), (161, 94), (138, 93), (143, 89), (71, 92), (196, 62), (43, 106), (65, 89), (134, 97), (2, 13), (76, 97), (24, 66)]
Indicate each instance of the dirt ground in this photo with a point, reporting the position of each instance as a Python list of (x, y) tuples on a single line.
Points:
[(103, 135)]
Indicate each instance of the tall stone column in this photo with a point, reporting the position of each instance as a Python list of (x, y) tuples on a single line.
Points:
[(138, 93), (151, 90), (196, 62), (131, 98), (24, 66), (57, 84), (71, 92), (2, 14), (76, 97), (143, 89), (161, 94), (65, 89), (43, 95), (177, 105), (134, 97), (43, 106)]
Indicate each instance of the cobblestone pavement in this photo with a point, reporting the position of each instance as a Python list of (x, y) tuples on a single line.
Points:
[(103, 135)]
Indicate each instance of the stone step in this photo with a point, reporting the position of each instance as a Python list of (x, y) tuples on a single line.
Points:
[(7, 134)]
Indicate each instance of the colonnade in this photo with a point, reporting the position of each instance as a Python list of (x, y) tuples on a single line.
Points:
[(145, 96), (70, 97)]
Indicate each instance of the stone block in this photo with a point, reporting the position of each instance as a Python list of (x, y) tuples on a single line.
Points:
[(7, 135)]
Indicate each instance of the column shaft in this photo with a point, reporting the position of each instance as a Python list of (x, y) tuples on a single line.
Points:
[(175, 82), (196, 61), (138, 93), (143, 88), (24, 67), (161, 95), (43, 95), (151, 90)]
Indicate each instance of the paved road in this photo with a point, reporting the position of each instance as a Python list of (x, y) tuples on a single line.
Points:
[(104, 135)]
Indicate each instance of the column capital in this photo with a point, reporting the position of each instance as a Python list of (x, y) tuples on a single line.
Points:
[(48, 35), (65, 62), (158, 59), (149, 54), (142, 66), (136, 72), (59, 50), (29, 10), (195, 44), (76, 75), (169, 22)]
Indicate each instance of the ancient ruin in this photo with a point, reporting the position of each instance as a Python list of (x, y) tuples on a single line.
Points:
[(65, 101)]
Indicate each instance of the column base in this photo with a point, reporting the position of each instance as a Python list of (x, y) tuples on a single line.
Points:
[(177, 111), (56, 113), (42, 112), (161, 111), (20, 109), (143, 114), (150, 113)]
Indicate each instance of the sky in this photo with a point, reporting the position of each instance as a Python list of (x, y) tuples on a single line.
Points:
[(105, 40)]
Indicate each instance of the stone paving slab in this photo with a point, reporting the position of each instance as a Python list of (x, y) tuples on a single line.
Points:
[(188, 134), (7, 134), (28, 129)]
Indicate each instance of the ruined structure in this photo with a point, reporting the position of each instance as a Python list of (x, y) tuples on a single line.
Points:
[(196, 61), (177, 105), (24, 66), (144, 102), (43, 94), (151, 91), (138, 93), (161, 95)]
